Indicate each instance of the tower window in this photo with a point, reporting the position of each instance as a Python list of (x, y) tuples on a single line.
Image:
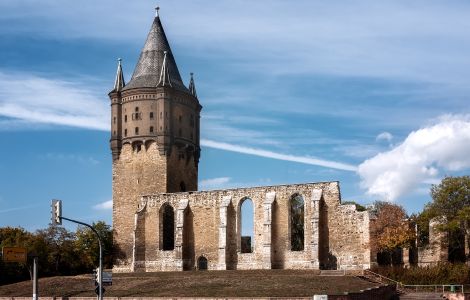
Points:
[(114, 120), (125, 118), (161, 114), (151, 116), (136, 109), (137, 116), (114, 132), (137, 130), (151, 129), (125, 132), (182, 186)]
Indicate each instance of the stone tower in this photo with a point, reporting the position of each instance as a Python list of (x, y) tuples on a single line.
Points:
[(154, 135)]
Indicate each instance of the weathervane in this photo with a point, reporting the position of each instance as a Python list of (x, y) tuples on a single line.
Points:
[(156, 11)]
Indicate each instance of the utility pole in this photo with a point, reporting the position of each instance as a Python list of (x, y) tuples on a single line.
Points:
[(57, 218), (35, 278)]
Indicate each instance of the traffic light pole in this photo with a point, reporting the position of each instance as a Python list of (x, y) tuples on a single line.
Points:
[(100, 281)]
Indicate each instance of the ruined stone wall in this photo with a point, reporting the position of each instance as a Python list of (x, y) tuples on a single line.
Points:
[(436, 251), (207, 224), (349, 238)]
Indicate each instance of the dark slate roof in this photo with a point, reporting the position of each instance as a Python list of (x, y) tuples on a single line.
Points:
[(148, 69)]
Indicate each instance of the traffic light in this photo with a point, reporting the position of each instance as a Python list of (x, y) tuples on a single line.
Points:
[(56, 212), (96, 276)]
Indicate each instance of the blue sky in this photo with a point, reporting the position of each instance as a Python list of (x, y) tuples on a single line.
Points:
[(373, 94)]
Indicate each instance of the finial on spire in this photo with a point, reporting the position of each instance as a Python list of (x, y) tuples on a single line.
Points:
[(156, 11)]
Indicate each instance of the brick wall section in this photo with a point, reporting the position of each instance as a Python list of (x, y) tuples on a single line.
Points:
[(336, 236)]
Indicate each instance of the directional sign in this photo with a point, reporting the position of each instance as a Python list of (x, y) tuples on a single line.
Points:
[(14, 254), (107, 278)]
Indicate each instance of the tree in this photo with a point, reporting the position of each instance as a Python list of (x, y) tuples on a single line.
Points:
[(391, 229), (87, 244), (13, 237), (451, 202)]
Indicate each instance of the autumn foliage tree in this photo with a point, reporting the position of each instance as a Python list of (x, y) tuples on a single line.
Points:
[(390, 229)]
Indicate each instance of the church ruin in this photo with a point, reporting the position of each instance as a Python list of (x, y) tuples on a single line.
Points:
[(162, 223)]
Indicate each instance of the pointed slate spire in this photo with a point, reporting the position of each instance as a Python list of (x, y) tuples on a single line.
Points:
[(192, 86), (119, 81), (164, 74), (148, 69)]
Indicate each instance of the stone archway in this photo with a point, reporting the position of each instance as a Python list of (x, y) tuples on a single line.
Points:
[(202, 263)]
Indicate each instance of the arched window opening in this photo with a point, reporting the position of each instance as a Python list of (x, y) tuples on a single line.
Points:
[(202, 263), (168, 228), (137, 130), (182, 186), (151, 115), (125, 132), (151, 129), (297, 223), (246, 225)]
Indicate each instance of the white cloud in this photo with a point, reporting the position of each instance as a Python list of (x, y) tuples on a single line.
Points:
[(107, 205), (279, 156), (214, 183), (442, 146), (29, 99), (384, 136)]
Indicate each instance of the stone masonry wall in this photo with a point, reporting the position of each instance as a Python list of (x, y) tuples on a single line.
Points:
[(207, 225), (136, 173)]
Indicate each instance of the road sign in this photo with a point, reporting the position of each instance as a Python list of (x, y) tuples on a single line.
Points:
[(107, 278), (14, 254)]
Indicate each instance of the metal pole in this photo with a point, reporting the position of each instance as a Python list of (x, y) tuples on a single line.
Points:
[(35, 278), (100, 283)]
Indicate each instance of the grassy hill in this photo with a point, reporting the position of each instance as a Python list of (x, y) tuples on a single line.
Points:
[(255, 283)]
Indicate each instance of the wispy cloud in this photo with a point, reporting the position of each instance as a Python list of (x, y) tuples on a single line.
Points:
[(278, 156), (384, 136), (107, 205), (19, 208), (30, 99), (70, 157), (442, 146), (214, 183)]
